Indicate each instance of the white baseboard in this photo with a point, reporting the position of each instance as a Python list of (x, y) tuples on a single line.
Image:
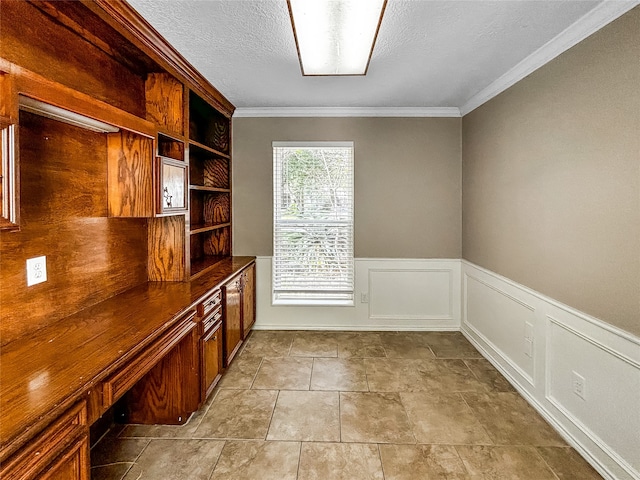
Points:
[(403, 294), (604, 426)]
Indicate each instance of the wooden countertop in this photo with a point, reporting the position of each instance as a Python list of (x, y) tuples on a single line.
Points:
[(43, 374)]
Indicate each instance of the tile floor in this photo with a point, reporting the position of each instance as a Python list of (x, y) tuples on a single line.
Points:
[(349, 406)]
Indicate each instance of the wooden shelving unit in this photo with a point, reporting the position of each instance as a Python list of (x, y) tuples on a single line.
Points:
[(209, 185)]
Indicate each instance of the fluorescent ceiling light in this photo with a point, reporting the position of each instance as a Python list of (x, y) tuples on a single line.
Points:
[(56, 113), (335, 37)]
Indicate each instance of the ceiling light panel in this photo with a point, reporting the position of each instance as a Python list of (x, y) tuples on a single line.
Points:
[(335, 37)]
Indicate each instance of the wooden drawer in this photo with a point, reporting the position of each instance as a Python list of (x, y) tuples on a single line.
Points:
[(63, 442), (126, 377), (211, 320), (209, 304)]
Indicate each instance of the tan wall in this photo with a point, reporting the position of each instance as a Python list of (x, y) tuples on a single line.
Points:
[(551, 178), (407, 182)]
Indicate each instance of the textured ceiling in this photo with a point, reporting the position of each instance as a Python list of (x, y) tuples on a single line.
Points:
[(429, 53)]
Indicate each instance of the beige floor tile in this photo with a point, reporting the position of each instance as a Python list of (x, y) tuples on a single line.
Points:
[(340, 374), (306, 416), (413, 462), (243, 414), (451, 345), (314, 344), (241, 373), (285, 373), (252, 460), (116, 450), (419, 410), (339, 461), (397, 375), (114, 471), (360, 344), (443, 419), (405, 345), (374, 418), (170, 459), (510, 420), (263, 343), (567, 464), (504, 463), (487, 374), (414, 375), (452, 375)]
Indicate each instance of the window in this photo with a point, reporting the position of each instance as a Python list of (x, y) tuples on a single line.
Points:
[(313, 223)]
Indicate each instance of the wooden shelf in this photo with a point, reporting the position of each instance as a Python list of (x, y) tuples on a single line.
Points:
[(202, 265), (209, 149), (195, 229), (209, 189)]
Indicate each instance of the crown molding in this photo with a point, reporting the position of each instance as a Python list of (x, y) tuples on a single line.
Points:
[(604, 13), (348, 112)]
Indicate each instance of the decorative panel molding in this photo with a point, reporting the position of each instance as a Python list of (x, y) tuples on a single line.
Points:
[(604, 423), (399, 294), (411, 294), (615, 397), (501, 319)]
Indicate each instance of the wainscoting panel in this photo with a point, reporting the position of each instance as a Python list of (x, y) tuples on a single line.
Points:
[(610, 386), (390, 294), (504, 322), (583, 375), (411, 294)]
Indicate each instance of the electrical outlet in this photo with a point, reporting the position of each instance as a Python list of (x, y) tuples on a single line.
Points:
[(36, 270), (364, 298), (578, 384)]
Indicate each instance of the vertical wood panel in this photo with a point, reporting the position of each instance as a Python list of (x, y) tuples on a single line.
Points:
[(248, 299), (166, 249), (170, 392), (64, 216), (9, 97), (130, 160), (164, 98)]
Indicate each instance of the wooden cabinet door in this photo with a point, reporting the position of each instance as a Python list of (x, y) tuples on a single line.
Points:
[(232, 318), (211, 359), (248, 299), (71, 465)]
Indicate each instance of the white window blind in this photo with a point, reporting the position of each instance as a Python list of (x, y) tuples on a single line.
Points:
[(313, 222)]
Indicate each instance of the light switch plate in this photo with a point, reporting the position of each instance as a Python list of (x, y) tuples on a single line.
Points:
[(36, 270)]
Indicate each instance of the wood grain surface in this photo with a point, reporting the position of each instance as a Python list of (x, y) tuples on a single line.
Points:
[(64, 216), (36, 41), (166, 261), (130, 175), (36, 389), (165, 101)]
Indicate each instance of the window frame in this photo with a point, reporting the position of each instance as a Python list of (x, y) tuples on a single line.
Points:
[(278, 299)]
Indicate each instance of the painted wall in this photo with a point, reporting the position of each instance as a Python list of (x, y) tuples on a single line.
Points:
[(551, 178), (407, 182)]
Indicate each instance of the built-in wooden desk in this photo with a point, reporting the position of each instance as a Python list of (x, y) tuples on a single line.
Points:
[(78, 360)]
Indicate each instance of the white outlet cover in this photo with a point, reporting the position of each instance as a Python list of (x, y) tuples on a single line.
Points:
[(579, 384), (36, 270)]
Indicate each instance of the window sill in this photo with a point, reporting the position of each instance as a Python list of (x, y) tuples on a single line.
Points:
[(311, 303)]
